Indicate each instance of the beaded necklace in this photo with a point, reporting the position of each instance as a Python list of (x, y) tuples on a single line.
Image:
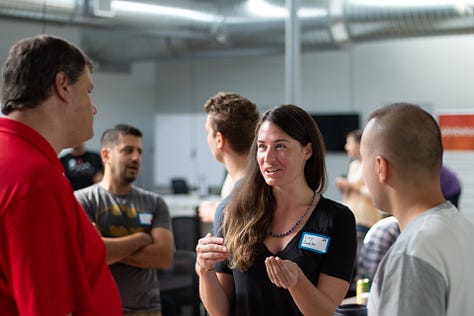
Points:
[(289, 231)]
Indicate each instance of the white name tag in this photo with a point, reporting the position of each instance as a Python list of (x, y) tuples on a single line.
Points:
[(145, 218), (314, 242)]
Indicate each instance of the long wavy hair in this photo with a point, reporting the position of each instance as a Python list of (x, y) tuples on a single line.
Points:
[(249, 214)]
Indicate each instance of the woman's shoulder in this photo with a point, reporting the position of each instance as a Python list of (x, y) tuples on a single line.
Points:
[(329, 212), (335, 211)]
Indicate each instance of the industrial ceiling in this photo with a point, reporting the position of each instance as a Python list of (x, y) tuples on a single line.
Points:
[(117, 32)]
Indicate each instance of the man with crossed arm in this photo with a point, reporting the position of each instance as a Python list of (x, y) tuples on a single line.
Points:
[(134, 223)]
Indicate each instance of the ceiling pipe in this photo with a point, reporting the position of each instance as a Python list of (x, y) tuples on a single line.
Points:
[(118, 32)]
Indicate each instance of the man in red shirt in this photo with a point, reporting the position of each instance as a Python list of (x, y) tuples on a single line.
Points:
[(52, 260)]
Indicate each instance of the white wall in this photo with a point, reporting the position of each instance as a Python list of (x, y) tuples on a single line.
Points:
[(439, 71), (11, 31), (182, 151), (128, 98)]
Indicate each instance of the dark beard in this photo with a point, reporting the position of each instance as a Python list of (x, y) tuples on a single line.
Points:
[(128, 180)]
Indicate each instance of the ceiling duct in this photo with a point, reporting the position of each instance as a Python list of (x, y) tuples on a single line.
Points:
[(369, 20), (117, 32)]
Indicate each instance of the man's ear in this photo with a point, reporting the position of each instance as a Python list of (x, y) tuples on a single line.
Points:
[(382, 169), (61, 86), (220, 140), (104, 154)]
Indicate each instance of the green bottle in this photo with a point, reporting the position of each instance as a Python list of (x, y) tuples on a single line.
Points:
[(362, 290)]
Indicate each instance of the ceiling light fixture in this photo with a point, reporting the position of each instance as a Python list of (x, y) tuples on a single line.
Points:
[(153, 9), (268, 10)]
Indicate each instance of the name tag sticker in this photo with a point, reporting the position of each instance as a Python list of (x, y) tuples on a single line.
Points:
[(315, 242), (145, 218)]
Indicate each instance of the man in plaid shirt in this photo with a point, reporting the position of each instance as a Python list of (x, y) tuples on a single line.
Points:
[(377, 241)]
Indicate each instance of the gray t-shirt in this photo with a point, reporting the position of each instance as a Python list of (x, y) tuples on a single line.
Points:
[(429, 269), (121, 215), (219, 214)]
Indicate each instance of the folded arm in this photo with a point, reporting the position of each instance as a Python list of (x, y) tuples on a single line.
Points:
[(121, 247), (156, 255)]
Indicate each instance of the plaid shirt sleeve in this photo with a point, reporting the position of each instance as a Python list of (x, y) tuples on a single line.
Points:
[(376, 243)]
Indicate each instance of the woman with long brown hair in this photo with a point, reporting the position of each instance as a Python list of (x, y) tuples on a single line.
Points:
[(284, 249)]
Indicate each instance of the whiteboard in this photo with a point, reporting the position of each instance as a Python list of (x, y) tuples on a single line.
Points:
[(181, 150)]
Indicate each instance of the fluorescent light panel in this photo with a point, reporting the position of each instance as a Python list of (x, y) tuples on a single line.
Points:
[(145, 8), (268, 10)]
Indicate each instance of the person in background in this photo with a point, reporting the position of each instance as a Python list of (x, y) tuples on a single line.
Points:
[(378, 240), (290, 250), (450, 185), (207, 209), (354, 191), (82, 167), (134, 223), (227, 185), (428, 270), (230, 127), (52, 261)]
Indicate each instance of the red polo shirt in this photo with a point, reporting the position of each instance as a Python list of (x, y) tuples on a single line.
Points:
[(52, 260)]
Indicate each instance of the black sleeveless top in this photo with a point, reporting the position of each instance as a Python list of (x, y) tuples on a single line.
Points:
[(256, 295)]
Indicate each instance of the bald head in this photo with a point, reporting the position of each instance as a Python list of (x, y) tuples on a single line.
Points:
[(408, 137)]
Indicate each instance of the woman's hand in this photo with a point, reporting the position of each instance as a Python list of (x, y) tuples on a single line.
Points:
[(282, 273), (209, 251), (206, 211)]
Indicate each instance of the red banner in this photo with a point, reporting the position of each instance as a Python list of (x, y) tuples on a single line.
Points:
[(457, 131)]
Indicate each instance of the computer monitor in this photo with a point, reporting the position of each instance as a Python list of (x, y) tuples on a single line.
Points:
[(335, 127)]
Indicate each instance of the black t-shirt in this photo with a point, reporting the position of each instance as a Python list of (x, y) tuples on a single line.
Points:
[(80, 170), (256, 295)]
